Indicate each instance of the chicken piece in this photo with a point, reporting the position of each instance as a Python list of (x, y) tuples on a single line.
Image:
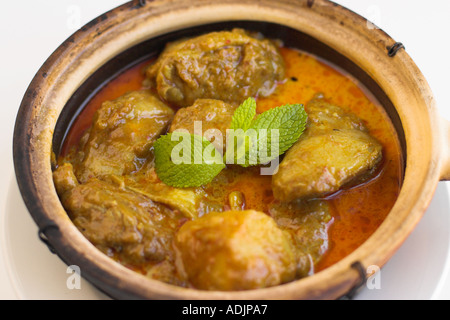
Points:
[(324, 117), (215, 117), (186, 200), (308, 222), (118, 221), (121, 135), (234, 250), (228, 66), (335, 149), (64, 178)]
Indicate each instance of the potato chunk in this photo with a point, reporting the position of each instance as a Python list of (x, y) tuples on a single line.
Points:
[(335, 149), (215, 117), (228, 66), (234, 250), (121, 135)]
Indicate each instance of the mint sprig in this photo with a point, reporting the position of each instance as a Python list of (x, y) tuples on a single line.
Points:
[(194, 161), (185, 160), (285, 124), (268, 136), (243, 116)]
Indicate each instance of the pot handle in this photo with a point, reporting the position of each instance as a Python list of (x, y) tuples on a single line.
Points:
[(445, 158)]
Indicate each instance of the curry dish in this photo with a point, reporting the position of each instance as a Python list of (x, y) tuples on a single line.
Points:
[(243, 230)]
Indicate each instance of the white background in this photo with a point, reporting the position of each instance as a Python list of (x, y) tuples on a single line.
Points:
[(30, 30)]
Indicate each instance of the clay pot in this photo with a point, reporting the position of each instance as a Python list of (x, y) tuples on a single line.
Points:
[(138, 30)]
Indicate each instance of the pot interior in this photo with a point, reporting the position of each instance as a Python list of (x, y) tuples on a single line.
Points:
[(152, 47)]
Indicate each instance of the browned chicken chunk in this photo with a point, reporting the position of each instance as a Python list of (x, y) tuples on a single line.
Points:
[(308, 222), (228, 66), (121, 135), (117, 220), (214, 116), (334, 150)]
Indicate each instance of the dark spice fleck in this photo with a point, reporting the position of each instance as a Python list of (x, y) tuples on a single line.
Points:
[(294, 79)]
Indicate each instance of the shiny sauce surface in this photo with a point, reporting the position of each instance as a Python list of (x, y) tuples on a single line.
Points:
[(356, 211)]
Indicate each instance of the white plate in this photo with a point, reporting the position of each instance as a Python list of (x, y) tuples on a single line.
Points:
[(34, 272), (416, 270), (413, 273)]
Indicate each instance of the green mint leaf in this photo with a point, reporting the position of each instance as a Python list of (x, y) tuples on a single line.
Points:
[(274, 132), (238, 147), (243, 116), (185, 160), (289, 120)]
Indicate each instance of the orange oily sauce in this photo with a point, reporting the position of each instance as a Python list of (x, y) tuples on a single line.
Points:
[(357, 212)]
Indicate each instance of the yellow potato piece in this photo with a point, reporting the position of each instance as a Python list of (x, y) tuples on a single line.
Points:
[(234, 250)]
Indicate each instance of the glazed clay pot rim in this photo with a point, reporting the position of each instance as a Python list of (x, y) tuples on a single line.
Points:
[(105, 37)]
